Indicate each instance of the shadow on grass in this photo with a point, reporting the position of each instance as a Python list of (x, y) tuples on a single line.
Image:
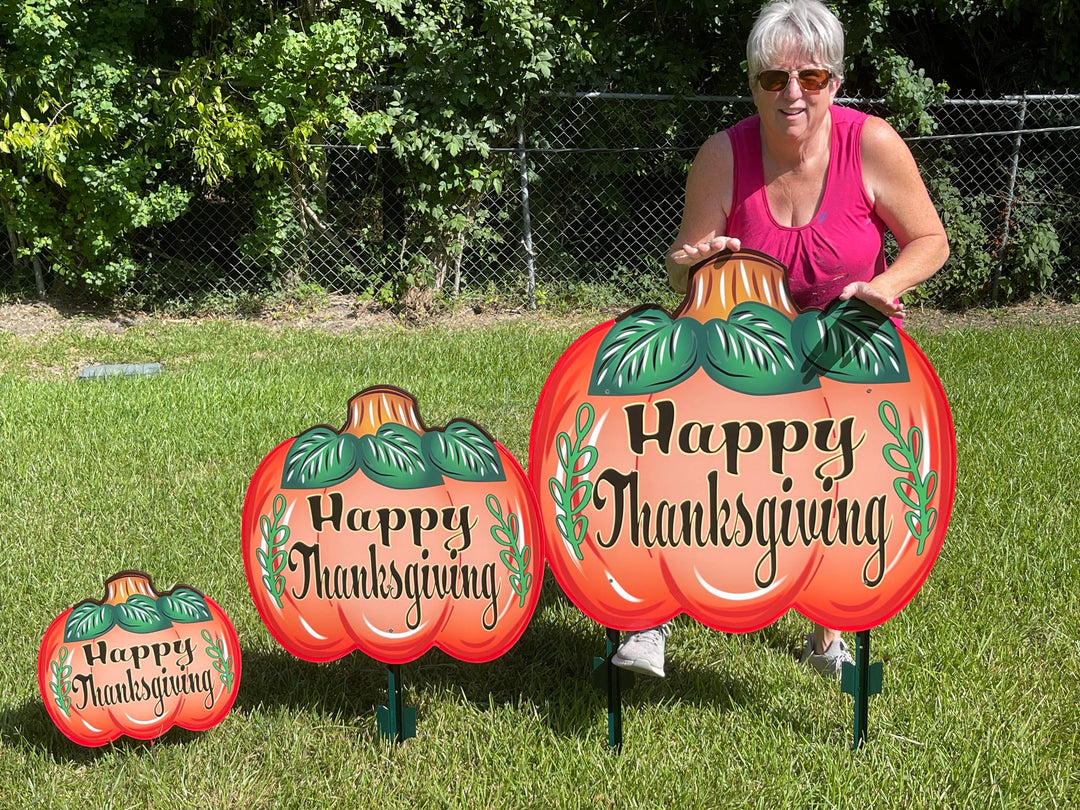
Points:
[(29, 728), (550, 668)]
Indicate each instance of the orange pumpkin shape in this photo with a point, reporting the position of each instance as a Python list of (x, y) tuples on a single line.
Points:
[(741, 458), (138, 662), (390, 538)]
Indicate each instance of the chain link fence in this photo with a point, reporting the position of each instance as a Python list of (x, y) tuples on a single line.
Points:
[(592, 196)]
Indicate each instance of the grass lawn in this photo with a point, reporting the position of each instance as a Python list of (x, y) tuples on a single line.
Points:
[(980, 707)]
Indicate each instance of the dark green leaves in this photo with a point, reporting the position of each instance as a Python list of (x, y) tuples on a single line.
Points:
[(645, 353), (462, 451), (757, 350), (395, 456), (751, 352), (184, 605), (851, 342), (88, 620), (320, 455), (137, 614)]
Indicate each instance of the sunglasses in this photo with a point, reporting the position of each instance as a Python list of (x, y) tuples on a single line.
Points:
[(810, 79)]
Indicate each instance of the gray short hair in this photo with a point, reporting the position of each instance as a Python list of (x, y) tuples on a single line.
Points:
[(806, 25)]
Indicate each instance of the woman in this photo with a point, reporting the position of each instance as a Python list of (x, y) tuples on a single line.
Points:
[(815, 186)]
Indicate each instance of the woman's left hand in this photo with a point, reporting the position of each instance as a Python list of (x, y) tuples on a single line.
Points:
[(864, 291)]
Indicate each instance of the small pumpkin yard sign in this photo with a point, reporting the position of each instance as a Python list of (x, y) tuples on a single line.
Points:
[(138, 663), (741, 458), (389, 537)]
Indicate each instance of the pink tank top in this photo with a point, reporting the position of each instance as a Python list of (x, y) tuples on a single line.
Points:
[(845, 240)]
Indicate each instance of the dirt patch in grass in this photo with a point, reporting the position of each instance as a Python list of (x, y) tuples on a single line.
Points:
[(341, 314)]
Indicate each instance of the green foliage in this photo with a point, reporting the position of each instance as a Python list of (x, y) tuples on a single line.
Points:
[(1035, 256), (120, 118), (255, 94), (908, 93), (261, 96), (967, 277), (667, 46), (80, 161), (468, 73), (978, 268)]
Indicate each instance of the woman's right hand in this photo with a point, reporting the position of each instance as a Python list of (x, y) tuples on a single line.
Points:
[(679, 259), (692, 254)]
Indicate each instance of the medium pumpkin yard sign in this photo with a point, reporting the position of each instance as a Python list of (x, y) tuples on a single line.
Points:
[(741, 458), (138, 662), (390, 538)]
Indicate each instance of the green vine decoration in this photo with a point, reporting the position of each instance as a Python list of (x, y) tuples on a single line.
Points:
[(274, 535), (576, 459), (516, 560), (223, 664), (60, 683), (906, 457)]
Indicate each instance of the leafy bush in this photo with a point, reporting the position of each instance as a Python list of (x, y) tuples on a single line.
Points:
[(124, 119)]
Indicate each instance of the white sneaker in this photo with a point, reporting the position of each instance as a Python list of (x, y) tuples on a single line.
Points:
[(643, 651), (831, 662)]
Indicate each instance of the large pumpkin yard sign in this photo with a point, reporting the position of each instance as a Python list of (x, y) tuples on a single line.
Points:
[(389, 538), (742, 458)]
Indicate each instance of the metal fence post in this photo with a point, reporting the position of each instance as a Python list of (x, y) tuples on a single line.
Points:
[(1009, 198), (526, 218)]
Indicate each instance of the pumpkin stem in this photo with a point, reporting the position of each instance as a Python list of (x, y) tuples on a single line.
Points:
[(126, 584), (718, 284), (376, 406)]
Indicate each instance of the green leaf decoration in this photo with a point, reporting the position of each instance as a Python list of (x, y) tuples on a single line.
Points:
[(464, 452), (320, 457), (88, 620), (751, 352), (394, 458), (850, 342), (516, 560), (914, 490), (275, 535), (60, 682), (139, 614), (571, 489), (644, 353), (222, 662), (185, 606)]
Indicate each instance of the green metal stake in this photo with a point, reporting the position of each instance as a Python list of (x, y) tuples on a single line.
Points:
[(396, 721), (861, 680), (611, 679), (614, 690)]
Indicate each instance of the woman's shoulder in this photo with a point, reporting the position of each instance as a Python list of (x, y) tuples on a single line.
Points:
[(871, 128), (723, 144), (848, 115), (886, 159), (717, 149), (879, 139), (747, 126), (875, 136)]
